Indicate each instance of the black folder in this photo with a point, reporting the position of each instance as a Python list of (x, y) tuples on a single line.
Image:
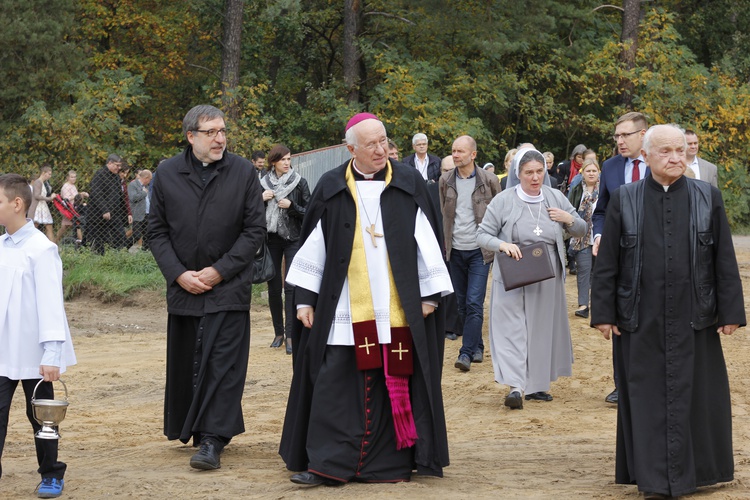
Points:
[(535, 266)]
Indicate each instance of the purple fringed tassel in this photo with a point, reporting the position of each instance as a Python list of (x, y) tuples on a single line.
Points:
[(403, 419)]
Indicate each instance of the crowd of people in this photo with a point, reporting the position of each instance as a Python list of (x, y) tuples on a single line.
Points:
[(386, 260)]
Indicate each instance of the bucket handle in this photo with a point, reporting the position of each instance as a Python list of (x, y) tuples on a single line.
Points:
[(33, 394)]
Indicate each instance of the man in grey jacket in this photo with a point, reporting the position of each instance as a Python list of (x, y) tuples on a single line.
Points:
[(465, 193), (139, 205)]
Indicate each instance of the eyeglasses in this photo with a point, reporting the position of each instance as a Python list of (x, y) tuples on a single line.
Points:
[(625, 135), (383, 143), (213, 132)]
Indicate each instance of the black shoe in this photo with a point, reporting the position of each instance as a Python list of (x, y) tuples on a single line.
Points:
[(450, 336), (538, 396), (478, 356), (463, 363), (582, 313), (207, 457), (311, 479), (277, 341), (612, 397), (514, 401), (288, 345)]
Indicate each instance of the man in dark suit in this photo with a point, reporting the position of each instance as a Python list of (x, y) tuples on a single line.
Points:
[(626, 167), (427, 164), (703, 170)]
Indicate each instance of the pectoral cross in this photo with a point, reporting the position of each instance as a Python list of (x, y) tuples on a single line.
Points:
[(400, 351), (373, 235), (537, 231), (366, 346)]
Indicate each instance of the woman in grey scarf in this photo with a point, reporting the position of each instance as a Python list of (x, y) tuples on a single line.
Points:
[(286, 195)]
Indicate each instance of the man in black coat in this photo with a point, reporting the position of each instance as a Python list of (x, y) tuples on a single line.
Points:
[(428, 165), (667, 285), (206, 222), (365, 402), (106, 207)]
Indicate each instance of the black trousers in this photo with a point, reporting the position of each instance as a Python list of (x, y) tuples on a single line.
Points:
[(46, 449), (281, 248)]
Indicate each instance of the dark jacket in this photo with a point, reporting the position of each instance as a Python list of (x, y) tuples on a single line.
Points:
[(192, 226), (106, 196), (300, 198), (704, 306), (433, 165)]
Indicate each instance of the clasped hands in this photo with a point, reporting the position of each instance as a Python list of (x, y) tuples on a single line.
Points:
[(198, 282)]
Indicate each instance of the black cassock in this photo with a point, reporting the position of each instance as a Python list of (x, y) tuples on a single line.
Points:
[(338, 420), (674, 425)]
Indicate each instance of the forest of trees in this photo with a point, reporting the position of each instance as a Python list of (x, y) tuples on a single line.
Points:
[(85, 78)]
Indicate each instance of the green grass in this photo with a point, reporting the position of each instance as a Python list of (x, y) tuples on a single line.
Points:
[(116, 275)]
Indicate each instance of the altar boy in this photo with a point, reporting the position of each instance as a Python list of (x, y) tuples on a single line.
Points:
[(35, 340)]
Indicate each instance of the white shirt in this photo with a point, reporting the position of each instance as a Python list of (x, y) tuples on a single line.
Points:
[(33, 326), (695, 168), (629, 169), (422, 165)]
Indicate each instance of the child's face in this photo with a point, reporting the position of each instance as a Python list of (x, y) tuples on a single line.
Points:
[(8, 208)]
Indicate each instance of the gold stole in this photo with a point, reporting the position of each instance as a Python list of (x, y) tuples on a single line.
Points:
[(360, 294)]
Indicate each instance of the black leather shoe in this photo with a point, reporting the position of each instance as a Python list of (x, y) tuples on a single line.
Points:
[(450, 336), (514, 401), (277, 341), (653, 496), (538, 396), (612, 397), (311, 479), (582, 313), (288, 346), (207, 457)]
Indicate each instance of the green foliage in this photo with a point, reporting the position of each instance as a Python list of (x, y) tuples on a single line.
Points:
[(37, 55), (80, 135), (113, 276)]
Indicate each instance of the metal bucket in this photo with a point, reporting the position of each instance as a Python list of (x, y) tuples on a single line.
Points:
[(49, 413)]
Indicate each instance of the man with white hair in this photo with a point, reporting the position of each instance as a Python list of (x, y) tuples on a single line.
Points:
[(428, 165), (368, 346), (667, 285)]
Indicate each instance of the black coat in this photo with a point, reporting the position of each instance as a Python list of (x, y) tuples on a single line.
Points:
[(433, 165), (192, 227), (674, 421), (106, 196), (333, 205)]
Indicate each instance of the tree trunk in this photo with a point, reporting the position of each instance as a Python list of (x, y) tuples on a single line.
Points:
[(631, 17), (230, 56), (352, 30)]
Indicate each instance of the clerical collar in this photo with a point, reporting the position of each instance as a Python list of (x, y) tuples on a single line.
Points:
[(527, 197), (376, 176)]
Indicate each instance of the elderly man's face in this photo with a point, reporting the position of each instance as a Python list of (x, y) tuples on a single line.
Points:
[(666, 155), (209, 149), (146, 180), (420, 147), (371, 151)]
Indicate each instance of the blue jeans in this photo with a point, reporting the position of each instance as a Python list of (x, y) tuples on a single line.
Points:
[(469, 274)]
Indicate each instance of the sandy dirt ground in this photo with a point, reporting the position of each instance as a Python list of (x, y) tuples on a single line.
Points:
[(113, 443)]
